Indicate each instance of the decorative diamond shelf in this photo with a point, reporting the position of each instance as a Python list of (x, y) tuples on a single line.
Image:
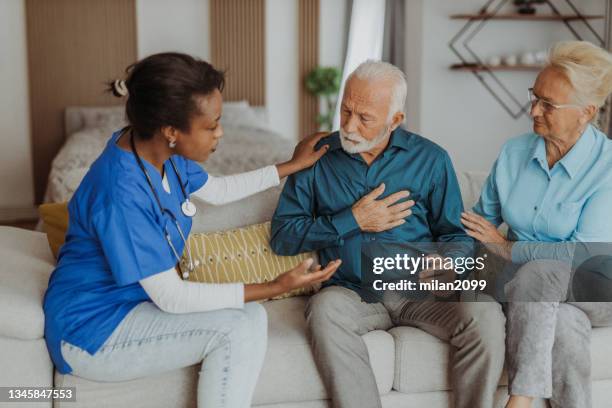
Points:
[(486, 74), (527, 17), (477, 67)]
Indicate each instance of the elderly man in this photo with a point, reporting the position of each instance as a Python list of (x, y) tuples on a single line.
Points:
[(357, 193)]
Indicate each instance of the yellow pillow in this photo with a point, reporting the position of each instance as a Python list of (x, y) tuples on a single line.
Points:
[(55, 222), (240, 255)]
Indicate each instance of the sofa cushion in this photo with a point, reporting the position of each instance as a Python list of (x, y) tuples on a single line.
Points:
[(290, 375), (601, 354), (26, 265), (289, 372), (251, 210), (422, 360), (25, 363), (176, 388), (470, 183)]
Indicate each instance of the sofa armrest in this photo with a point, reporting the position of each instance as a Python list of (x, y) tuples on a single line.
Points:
[(26, 263)]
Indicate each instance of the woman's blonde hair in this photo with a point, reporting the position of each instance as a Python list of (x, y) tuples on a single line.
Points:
[(587, 67)]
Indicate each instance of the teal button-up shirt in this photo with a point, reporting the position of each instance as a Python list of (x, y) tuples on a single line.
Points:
[(570, 202), (314, 212)]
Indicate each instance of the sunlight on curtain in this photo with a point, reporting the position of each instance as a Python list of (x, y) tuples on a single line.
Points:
[(365, 39)]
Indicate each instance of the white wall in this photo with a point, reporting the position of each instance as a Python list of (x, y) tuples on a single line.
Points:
[(413, 36), (182, 25), (333, 16), (333, 21), (454, 109), (178, 25), (16, 189), (282, 80), (282, 66)]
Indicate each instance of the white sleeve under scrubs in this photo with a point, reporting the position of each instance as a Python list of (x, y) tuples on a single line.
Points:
[(174, 295)]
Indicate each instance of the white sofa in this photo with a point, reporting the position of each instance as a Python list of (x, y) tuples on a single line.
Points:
[(410, 365)]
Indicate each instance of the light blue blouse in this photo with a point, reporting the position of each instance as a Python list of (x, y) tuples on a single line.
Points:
[(570, 202)]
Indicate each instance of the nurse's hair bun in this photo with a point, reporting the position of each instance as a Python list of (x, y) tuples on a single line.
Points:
[(118, 88)]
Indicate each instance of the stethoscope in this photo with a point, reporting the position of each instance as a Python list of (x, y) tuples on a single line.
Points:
[(187, 207)]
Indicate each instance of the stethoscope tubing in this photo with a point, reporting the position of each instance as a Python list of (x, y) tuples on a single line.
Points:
[(164, 210)]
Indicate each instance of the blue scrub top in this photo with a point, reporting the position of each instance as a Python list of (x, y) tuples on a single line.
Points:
[(115, 238)]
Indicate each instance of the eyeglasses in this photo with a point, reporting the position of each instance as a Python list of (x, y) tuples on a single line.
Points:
[(547, 106)]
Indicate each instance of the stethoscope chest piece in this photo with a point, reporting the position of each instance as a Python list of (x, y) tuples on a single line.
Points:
[(188, 208)]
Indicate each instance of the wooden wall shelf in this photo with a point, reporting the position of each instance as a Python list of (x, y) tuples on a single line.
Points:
[(526, 17), (477, 67), (489, 76)]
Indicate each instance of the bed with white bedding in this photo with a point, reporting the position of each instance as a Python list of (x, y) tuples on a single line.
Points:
[(247, 144)]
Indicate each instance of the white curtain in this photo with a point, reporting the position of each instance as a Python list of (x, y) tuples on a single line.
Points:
[(365, 40)]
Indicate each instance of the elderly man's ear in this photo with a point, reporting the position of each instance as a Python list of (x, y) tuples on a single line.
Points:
[(397, 120)]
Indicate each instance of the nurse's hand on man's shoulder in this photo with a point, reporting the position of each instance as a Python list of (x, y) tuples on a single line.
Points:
[(304, 155), (302, 275), (374, 215)]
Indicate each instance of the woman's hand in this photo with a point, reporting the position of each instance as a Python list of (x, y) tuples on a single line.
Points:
[(295, 278), (300, 277), (479, 228), (304, 155)]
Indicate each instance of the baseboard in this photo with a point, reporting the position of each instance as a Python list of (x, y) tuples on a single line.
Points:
[(18, 214)]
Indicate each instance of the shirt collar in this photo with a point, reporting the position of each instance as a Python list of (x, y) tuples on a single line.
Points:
[(400, 138), (333, 140), (573, 160), (539, 152)]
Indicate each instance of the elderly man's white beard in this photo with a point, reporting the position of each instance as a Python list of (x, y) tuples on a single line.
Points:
[(363, 144)]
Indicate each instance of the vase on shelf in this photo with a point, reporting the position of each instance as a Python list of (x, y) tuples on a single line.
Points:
[(527, 6)]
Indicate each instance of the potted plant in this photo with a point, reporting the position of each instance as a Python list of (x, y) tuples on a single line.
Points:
[(324, 82)]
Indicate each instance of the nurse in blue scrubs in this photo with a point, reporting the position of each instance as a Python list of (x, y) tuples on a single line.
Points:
[(118, 307)]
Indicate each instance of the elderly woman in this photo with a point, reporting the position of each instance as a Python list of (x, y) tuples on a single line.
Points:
[(553, 188)]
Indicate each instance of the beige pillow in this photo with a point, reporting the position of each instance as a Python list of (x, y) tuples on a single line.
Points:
[(240, 255)]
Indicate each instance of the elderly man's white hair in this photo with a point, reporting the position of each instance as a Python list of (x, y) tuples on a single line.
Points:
[(379, 70)]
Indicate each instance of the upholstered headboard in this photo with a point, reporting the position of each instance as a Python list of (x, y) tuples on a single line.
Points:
[(80, 117)]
